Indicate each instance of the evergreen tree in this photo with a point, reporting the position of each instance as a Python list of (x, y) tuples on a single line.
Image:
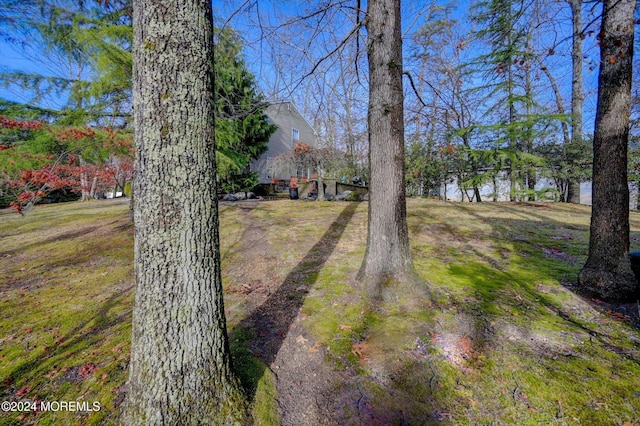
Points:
[(504, 69), (94, 39), (85, 48), (242, 128)]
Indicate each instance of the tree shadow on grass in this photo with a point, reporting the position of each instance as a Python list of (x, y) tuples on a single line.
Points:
[(77, 339), (71, 358), (499, 307), (262, 333), (524, 292)]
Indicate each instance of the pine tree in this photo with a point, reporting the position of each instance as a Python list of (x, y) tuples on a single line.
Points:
[(95, 39), (504, 70), (86, 49), (242, 128)]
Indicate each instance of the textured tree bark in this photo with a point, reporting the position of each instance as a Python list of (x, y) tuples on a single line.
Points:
[(573, 187), (387, 259), (607, 271), (180, 370)]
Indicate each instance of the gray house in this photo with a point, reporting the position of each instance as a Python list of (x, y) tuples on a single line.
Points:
[(292, 128)]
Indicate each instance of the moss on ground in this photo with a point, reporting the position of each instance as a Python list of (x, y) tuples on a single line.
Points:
[(256, 378), (66, 300), (501, 323), (502, 337)]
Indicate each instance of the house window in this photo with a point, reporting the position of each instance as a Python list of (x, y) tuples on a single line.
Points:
[(295, 136)]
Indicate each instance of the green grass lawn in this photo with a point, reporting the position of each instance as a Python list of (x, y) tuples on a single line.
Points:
[(499, 336)]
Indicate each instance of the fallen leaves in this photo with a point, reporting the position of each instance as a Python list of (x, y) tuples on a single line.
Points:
[(23, 390), (8, 338), (618, 316), (555, 253), (360, 349), (87, 369), (302, 341)]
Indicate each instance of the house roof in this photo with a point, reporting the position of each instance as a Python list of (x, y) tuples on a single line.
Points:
[(279, 104)]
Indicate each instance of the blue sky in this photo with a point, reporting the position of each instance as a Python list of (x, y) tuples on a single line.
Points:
[(27, 61), (13, 60), (258, 56), (259, 59)]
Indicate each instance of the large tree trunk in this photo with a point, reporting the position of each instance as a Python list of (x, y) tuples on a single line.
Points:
[(607, 272), (180, 370), (573, 187), (387, 259)]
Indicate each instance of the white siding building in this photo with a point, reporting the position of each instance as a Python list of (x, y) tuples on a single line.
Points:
[(292, 128)]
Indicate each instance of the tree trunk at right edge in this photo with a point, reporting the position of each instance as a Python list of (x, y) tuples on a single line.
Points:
[(607, 272), (387, 259), (573, 187)]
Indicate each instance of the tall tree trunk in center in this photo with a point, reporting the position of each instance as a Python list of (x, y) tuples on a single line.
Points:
[(387, 259), (607, 272), (573, 186), (180, 371)]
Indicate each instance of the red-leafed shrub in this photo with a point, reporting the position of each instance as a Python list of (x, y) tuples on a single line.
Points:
[(83, 160)]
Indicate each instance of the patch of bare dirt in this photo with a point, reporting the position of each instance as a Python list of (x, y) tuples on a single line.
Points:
[(282, 341)]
